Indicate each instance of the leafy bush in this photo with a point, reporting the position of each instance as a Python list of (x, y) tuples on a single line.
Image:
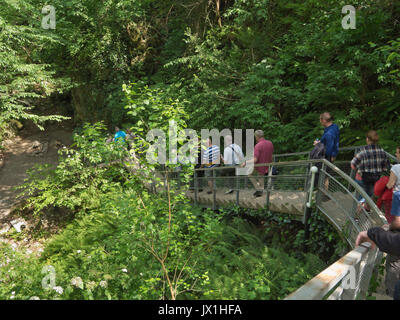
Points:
[(92, 168), (282, 231), (25, 77), (115, 252)]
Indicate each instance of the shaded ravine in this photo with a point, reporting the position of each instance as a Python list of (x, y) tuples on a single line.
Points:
[(29, 148)]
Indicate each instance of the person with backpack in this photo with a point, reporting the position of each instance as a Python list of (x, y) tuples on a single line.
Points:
[(330, 138), (329, 142), (317, 153), (233, 156)]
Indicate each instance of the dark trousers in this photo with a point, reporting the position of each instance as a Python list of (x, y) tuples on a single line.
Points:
[(392, 275), (229, 172), (200, 174), (369, 179), (396, 295)]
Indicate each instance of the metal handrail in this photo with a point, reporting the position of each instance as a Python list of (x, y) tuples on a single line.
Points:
[(358, 188), (283, 163), (364, 251), (331, 283)]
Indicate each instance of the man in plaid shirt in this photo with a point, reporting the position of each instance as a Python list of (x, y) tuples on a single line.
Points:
[(371, 161)]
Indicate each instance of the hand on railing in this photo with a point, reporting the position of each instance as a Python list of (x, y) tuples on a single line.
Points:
[(363, 237)]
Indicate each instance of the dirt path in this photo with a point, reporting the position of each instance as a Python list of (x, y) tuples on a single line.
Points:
[(32, 146)]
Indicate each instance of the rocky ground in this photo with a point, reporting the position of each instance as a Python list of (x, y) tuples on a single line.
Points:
[(30, 147)]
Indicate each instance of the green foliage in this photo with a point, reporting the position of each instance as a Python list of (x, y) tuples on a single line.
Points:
[(24, 76), (281, 231), (271, 65), (153, 109), (245, 268), (112, 251), (267, 64), (277, 65), (85, 172)]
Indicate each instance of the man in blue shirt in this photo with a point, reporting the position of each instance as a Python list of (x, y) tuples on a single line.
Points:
[(120, 138), (119, 135), (330, 138)]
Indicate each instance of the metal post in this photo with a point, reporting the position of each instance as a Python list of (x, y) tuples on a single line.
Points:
[(179, 180), (307, 211), (196, 185), (214, 189), (268, 184), (307, 174), (237, 190), (321, 184), (352, 172), (165, 181)]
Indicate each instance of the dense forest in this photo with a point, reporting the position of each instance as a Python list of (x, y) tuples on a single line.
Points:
[(273, 65), (266, 64)]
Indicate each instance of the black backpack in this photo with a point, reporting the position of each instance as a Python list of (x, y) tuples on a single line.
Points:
[(318, 152)]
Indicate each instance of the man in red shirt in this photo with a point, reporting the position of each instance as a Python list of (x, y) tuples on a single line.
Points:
[(262, 154)]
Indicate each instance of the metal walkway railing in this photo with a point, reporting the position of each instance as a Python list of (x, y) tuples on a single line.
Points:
[(335, 194)]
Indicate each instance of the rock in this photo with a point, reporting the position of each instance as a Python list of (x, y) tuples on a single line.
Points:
[(38, 148), (36, 145), (16, 125), (1, 159), (45, 147), (56, 144), (4, 229), (19, 224)]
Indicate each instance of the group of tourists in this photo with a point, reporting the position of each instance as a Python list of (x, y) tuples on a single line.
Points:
[(327, 147), (374, 174), (233, 157), (371, 165)]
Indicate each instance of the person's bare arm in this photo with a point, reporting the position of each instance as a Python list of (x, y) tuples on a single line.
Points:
[(254, 160), (392, 180), (395, 225)]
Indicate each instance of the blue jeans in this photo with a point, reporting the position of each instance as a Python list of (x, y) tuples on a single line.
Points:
[(361, 184), (396, 295)]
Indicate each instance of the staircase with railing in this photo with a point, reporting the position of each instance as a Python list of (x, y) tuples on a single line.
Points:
[(334, 193)]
